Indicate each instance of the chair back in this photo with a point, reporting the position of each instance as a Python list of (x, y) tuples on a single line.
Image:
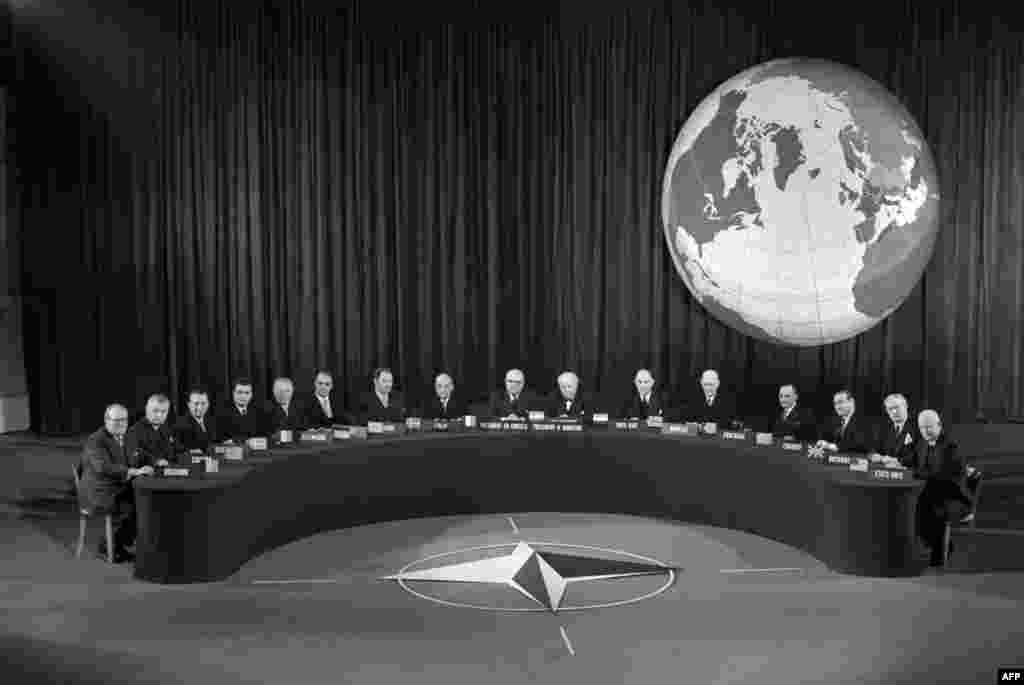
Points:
[(973, 483), (76, 471)]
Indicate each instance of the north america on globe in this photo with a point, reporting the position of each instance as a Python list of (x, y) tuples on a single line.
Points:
[(800, 202)]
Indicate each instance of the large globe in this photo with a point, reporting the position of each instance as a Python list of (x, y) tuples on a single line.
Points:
[(800, 202)]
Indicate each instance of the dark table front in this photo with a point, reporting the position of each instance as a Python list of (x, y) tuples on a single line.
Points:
[(204, 529)]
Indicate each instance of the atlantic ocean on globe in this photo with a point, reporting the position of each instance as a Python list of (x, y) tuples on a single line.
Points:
[(800, 202)]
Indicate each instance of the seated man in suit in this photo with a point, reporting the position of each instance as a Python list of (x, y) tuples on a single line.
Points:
[(242, 419), (197, 429), (284, 413), (567, 401), (105, 484), (645, 401), (845, 432), (322, 410), (712, 405), (793, 422), (382, 403), (150, 439), (444, 405), (516, 400), (896, 439), (944, 498)]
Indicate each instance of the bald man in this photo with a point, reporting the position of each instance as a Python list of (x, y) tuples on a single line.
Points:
[(646, 400), (567, 400), (444, 405), (151, 439), (516, 400), (712, 404), (284, 412), (944, 498), (107, 468)]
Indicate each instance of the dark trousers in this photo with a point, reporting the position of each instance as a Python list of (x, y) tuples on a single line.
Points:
[(940, 503), (123, 515)]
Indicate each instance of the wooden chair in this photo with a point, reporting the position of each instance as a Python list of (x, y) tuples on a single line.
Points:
[(974, 479), (84, 514)]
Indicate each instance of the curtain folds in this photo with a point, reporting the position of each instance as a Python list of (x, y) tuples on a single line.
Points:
[(346, 188)]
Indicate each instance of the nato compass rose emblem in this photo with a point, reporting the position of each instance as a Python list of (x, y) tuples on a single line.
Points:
[(543, 572)]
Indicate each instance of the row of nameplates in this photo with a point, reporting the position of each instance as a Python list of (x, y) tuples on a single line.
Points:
[(326, 435)]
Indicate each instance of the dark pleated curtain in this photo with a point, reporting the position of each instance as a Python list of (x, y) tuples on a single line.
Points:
[(352, 186)]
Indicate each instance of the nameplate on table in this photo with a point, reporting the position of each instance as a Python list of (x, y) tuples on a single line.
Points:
[(439, 426), (231, 452), (469, 421), (534, 415), (315, 436), (257, 443), (600, 418), (890, 474), (342, 434), (655, 421), (379, 427), (505, 425), (763, 439), (626, 425), (792, 446), (734, 435), (199, 459), (844, 459), (285, 437), (569, 427), (357, 432), (860, 465), (544, 427), (678, 429), (711, 428), (413, 423), (176, 472)]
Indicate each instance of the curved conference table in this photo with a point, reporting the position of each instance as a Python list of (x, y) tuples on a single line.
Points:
[(204, 528)]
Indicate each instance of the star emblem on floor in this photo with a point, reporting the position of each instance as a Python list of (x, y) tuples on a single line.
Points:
[(541, 576)]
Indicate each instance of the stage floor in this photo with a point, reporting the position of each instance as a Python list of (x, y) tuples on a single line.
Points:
[(741, 609), (63, 620)]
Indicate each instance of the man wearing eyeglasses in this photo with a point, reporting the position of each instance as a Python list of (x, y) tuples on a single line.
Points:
[(105, 486), (516, 401)]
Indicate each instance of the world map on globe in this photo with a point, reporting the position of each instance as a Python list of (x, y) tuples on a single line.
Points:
[(800, 202)]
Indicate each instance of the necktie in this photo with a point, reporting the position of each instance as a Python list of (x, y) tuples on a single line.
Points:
[(444, 405), (709, 401), (785, 414), (645, 399), (284, 408), (515, 398), (202, 427), (384, 401), (242, 410), (842, 431), (326, 404), (120, 441), (899, 427), (568, 405)]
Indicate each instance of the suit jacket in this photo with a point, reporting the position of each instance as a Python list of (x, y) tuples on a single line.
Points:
[(147, 444), (433, 409), (900, 445), (314, 416), (944, 472), (500, 404), (722, 412), (369, 408), (555, 405), (634, 407), (191, 437), (104, 466), (294, 420), (856, 438), (240, 428), (800, 424)]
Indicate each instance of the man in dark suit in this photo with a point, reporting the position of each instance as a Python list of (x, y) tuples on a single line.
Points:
[(645, 401), (197, 429), (793, 422), (105, 484), (896, 438), (150, 439), (944, 498), (568, 401), (382, 402), (283, 413), (845, 432), (444, 405), (516, 400), (321, 409), (712, 405), (242, 419)]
